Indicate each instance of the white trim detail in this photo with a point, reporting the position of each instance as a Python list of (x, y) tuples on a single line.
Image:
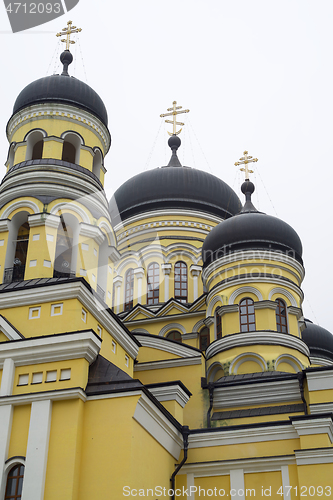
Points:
[(308, 427), (160, 343), (20, 204), (171, 326), (56, 306), (285, 293), (320, 381), (242, 436), (32, 310), (170, 393), (290, 360), (243, 358), (63, 206), (213, 302), (57, 395), (37, 449), (167, 363), (244, 289), (8, 330), (157, 425), (321, 408), (7, 380), (56, 347), (237, 483), (285, 481), (314, 457), (257, 338)]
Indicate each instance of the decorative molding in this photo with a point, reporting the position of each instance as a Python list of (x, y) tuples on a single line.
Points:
[(162, 344), (61, 112), (57, 395), (314, 456), (168, 363), (172, 326), (44, 219), (170, 393), (311, 426), (166, 268), (316, 360), (244, 289), (233, 308), (4, 225), (139, 272), (158, 426), (257, 434), (209, 321), (285, 293), (70, 205), (195, 270), (213, 303), (320, 381), (265, 304), (57, 347), (249, 465), (290, 360), (93, 232), (317, 408), (243, 358), (282, 391), (19, 204), (256, 338)]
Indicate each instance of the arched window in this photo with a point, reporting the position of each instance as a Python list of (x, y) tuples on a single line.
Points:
[(218, 323), (68, 152), (174, 335), (204, 339), (14, 483), (246, 315), (37, 151), (35, 142), (181, 282), (129, 287), (153, 283), (97, 163), (281, 316)]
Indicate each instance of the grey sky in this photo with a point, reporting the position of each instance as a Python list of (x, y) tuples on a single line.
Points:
[(256, 75)]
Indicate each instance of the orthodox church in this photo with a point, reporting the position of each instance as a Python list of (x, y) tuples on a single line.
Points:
[(153, 346)]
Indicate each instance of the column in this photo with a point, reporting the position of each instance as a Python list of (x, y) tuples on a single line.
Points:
[(37, 450), (237, 484), (195, 273), (139, 272), (190, 484), (6, 418), (8, 372), (166, 269), (117, 281)]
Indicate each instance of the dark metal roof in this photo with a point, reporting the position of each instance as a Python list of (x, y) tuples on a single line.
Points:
[(251, 230), (319, 340), (173, 187), (259, 412), (62, 89)]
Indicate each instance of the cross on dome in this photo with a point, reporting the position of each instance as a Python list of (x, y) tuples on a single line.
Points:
[(245, 160), (174, 111), (67, 32)]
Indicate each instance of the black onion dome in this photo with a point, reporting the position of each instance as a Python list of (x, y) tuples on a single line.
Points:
[(62, 89), (173, 187), (251, 230), (319, 341)]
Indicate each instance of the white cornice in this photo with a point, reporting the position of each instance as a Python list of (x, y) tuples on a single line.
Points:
[(282, 391), (162, 344), (257, 338), (241, 436), (50, 110), (256, 255), (4, 225), (176, 226), (317, 408), (320, 381), (93, 232), (44, 219), (168, 213), (316, 360), (170, 393), (314, 457), (52, 348), (158, 426), (71, 290), (311, 426), (168, 363), (57, 395), (249, 465)]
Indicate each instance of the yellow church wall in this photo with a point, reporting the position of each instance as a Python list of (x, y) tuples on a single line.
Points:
[(78, 377), (88, 261), (265, 319), (268, 481), (53, 149), (236, 451), (64, 456), (86, 159), (324, 396), (293, 481), (315, 441), (175, 409), (3, 337), (41, 250), (20, 153), (318, 476), (118, 452), (230, 324), (19, 432), (195, 411), (221, 483), (180, 483)]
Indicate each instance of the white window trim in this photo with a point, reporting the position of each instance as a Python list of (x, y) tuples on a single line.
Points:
[(32, 309), (54, 306)]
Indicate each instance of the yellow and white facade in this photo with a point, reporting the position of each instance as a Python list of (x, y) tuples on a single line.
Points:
[(131, 365)]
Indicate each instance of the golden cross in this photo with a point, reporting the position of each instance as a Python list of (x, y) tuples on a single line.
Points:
[(245, 160), (174, 112), (68, 31)]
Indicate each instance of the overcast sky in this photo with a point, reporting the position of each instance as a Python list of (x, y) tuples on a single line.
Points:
[(255, 74)]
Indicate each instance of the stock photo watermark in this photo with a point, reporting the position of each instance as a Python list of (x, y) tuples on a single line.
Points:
[(25, 15)]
